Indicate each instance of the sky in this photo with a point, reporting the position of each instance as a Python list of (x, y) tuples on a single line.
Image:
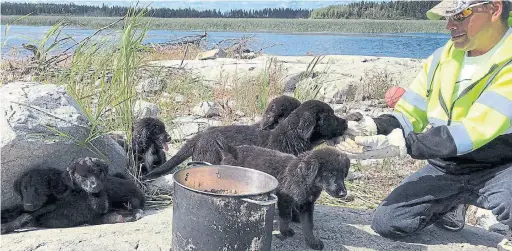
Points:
[(208, 4)]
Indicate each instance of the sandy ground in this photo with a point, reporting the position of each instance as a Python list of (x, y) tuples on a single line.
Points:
[(339, 228)]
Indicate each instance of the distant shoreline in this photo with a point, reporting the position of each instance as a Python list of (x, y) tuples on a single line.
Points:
[(292, 26)]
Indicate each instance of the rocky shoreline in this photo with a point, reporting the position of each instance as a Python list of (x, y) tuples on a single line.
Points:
[(347, 83)]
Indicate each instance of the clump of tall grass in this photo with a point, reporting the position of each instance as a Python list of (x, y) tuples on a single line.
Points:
[(102, 78), (182, 90), (252, 94), (374, 84), (306, 90), (100, 75)]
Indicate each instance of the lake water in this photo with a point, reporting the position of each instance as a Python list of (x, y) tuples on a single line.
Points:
[(411, 45)]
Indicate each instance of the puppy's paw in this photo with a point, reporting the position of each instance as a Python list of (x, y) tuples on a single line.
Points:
[(24, 218), (137, 214), (288, 232), (315, 244), (3, 229)]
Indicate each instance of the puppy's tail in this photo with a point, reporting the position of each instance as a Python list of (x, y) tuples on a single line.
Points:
[(225, 148), (183, 154)]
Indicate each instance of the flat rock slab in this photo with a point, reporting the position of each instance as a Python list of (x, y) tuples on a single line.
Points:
[(339, 228), (341, 69)]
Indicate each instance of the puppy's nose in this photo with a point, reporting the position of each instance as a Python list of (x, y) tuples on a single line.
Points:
[(342, 193)]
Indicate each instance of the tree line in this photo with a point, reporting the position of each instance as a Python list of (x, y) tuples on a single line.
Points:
[(9, 8), (357, 10), (392, 10)]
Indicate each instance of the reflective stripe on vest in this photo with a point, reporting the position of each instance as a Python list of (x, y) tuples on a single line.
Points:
[(436, 57), (433, 67)]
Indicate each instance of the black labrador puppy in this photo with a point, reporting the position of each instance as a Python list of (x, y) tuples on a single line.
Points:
[(312, 121), (301, 180)]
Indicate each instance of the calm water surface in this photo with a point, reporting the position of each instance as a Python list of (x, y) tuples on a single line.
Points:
[(412, 45)]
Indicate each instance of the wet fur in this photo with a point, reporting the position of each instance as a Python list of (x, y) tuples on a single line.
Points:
[(123, 193), (87, 201), (39, 186), (277, 110), (313, 120), (149, 136), (301, 180)]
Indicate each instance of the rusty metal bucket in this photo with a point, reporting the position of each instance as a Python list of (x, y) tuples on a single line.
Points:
[(220, 207)]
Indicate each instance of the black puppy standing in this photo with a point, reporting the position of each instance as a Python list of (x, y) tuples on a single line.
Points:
[(312, 121), (301, 180)]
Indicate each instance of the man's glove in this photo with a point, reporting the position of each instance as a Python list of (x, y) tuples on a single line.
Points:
[(374, 147), (364, 127)]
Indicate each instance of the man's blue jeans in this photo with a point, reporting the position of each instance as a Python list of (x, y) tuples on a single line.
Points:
[(424, 197)]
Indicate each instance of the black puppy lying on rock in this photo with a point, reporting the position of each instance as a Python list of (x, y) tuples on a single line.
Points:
[(301, 180), (80, 195)]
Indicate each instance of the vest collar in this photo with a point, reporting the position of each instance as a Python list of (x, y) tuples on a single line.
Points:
[(451, 63)]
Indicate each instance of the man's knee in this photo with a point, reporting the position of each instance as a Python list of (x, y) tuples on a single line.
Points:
[(381, 223), (386, 223)]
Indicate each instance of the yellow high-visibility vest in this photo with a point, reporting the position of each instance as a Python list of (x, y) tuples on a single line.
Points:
[(482, 112)]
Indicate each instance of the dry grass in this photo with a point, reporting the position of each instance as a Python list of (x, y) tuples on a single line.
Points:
[(182, 91), (376, 182), (14, 70), (181, 52), (251, 94), (255, 24), (314, 80), (374, 85)]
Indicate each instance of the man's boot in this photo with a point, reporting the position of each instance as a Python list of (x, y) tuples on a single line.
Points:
[(454, 220), (506, 243)]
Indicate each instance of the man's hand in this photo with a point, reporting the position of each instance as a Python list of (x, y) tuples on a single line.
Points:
[(364, 127), (374, 147)]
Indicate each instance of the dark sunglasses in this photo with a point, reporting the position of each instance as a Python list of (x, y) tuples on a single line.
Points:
[(459, 17)]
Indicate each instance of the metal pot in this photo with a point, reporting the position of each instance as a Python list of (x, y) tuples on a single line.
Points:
[(220, 207)]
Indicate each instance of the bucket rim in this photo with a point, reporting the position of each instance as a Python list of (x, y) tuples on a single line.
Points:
[(273, 186)]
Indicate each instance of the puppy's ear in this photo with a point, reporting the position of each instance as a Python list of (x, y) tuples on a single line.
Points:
[(59, 187), (104, 167), (346, 164), (306, 125), (17, 186), (308, 170), (267, 121), (225, 148), (140, 138)]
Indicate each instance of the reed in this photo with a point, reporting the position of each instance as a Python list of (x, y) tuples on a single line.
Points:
[(252, 25)]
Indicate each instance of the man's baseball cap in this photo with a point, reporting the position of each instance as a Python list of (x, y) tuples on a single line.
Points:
[(448, 8)]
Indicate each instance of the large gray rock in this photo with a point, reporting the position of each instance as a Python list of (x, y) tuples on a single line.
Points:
[(150, 86), (186, 127), (206, 109), (30, 115)]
